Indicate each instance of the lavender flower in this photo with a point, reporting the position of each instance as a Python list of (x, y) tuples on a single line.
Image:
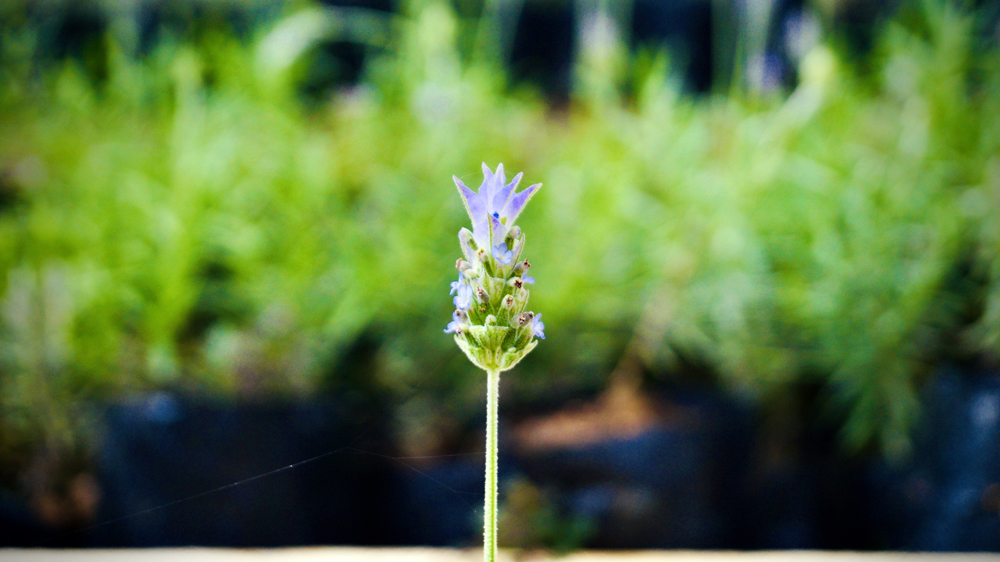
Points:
[(458, 323), (495, 208), (456, 284), (463, 298), (502, 254), (491, 284), (537, 326)]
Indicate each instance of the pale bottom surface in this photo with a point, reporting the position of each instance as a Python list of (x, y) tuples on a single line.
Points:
[(338, 554)]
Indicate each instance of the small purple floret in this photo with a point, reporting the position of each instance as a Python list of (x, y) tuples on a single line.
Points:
[(502, 254), (463, 299), (455, 326), (538, 327)]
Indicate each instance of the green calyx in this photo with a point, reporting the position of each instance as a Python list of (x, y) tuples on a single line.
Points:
[(496, 333)]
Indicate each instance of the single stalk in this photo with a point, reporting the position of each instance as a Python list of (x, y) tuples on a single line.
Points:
[(490, 504)]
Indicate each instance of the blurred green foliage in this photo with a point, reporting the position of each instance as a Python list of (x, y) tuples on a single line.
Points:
[(184, 219)]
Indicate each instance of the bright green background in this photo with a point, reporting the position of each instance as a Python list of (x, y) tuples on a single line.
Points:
[(186, 218)]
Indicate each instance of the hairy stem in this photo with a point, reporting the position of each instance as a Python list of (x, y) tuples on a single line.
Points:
[(490, 504)]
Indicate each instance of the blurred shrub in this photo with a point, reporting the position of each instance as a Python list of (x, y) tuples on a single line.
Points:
[(185, 221)]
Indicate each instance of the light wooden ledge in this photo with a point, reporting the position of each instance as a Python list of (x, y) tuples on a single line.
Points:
[(338, 554)]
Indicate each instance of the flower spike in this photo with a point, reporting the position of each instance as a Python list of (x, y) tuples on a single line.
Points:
[(490, 273)]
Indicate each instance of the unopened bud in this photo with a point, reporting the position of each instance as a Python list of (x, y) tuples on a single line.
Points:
[(520, 268), (483, 296), (513, 235), (525, 317), (508, 301)]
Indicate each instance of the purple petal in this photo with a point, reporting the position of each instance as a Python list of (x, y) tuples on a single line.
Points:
[(464, 297), (476, 207), (474, 204), (528, 279), (492, 184), (502, 254), (537, 326), (456, 284), (486, 189), (501, 197), (517, 203)]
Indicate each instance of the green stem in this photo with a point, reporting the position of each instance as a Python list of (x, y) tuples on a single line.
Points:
[(490, 505)]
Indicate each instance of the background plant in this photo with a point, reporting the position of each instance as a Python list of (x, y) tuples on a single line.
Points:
[(192, 215)]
